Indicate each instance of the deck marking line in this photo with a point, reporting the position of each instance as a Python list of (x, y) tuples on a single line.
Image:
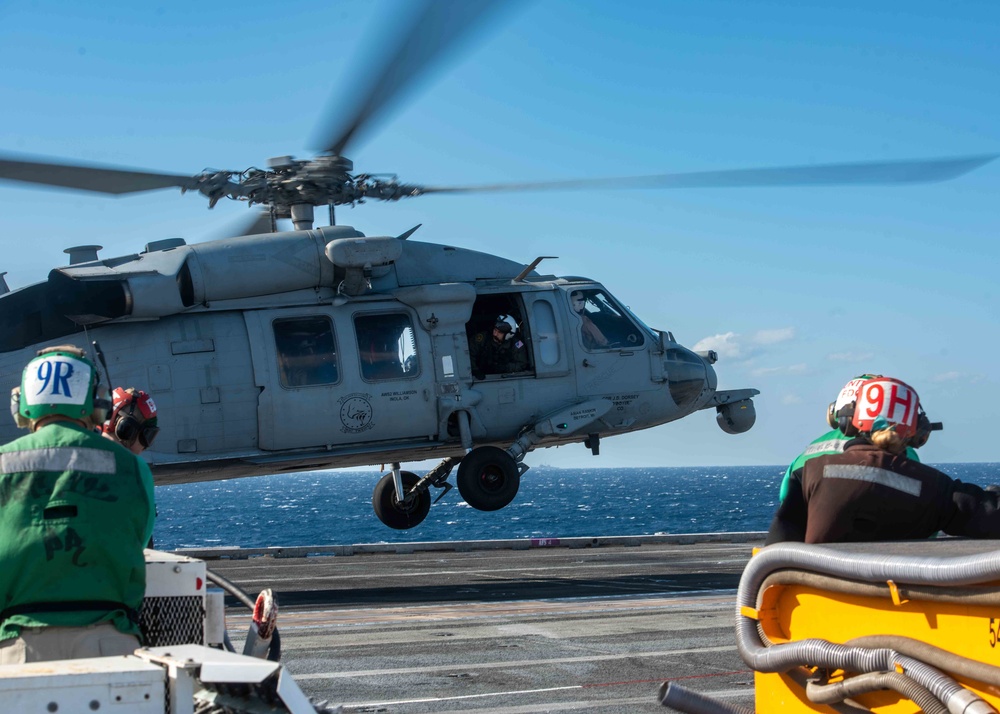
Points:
[(456, 698), (664, 679), (509, 665), (705, 676)]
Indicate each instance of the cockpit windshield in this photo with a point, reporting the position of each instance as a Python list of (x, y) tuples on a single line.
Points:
[(604, 324)]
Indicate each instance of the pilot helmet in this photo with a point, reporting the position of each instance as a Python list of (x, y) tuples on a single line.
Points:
[(506, 325), (60, 381), (133, 417)]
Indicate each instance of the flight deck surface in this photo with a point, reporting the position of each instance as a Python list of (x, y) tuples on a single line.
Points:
[(570, 628)]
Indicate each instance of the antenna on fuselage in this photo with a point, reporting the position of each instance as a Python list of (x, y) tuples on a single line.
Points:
[(100, 357), (534, 264)]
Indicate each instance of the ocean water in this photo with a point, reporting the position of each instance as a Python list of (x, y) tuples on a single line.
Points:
[(334, 507)]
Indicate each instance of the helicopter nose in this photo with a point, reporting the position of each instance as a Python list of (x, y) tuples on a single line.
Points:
[(711, 380), (690, 377)]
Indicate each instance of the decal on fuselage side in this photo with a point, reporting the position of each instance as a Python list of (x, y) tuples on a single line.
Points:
[(356, 413)]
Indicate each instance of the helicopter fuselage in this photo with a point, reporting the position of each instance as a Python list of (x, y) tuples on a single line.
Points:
[(323, 349)]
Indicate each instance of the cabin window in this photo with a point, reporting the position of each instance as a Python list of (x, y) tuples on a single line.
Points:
[(387, 347), (544, 321), (602, 324), (306, 350)]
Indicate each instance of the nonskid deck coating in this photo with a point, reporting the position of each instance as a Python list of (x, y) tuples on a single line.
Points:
[(457, 628)]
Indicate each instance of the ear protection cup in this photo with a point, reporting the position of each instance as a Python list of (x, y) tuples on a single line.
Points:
[(831, 416), (924, 428), (845, 420), (15, 409), (127, 428)]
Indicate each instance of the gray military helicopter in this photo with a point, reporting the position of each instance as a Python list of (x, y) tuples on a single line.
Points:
[(321, 347)]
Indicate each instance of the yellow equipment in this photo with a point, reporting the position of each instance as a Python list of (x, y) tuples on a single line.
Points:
[(893, 628)]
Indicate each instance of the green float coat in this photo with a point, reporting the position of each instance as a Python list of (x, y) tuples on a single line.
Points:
[(76, 510)]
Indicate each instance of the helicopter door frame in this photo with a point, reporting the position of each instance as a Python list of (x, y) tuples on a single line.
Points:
[(294, 411), (341, 409), (401, 394), (616, 369), (544, 316), (489, 307)]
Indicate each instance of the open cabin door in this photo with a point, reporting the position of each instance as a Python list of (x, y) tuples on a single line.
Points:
[(331, 378)]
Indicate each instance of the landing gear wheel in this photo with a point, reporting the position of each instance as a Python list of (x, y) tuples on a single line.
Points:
[(400, 514), (488, 478)]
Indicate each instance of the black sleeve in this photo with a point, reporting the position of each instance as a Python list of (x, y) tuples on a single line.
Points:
[(789, 522), (976, 512)]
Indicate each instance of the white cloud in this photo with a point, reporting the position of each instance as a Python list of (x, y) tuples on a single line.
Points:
[(947, 377), (791, 399), (731, 345), (771, 337), (727, 345), (850, 356), (787, 369)]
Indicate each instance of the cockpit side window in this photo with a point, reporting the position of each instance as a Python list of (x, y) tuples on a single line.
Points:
[(603, 324), (387, 346), (307, 353)]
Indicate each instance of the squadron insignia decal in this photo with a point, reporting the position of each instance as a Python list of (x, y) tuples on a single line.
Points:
[(356, 413)]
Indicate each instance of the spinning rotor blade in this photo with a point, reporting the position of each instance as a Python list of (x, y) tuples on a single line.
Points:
[(435, 29), (883, 172), (256, 223), (88, 178), (259, 223)]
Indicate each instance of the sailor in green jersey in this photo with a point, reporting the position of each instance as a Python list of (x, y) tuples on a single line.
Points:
[(833, 441), (76, 510)]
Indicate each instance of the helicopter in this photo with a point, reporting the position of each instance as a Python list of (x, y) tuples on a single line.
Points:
[(321, 347)]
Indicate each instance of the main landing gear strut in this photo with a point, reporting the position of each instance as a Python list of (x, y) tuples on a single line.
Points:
[(488, 479)]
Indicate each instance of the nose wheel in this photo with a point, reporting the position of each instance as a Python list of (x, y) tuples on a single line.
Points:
[(409, 512), (488, 478)]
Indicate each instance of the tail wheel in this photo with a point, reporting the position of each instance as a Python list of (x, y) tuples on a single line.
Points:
[(488, 478), (400, 514)]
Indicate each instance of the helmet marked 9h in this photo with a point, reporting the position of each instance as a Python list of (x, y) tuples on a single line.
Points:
[(60, 381), (885, 403), (133, 417)]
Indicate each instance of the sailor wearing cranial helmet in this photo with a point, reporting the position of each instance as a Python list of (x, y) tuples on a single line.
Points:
[(133, 420), (873, 491), (76, 510), (832, 442)]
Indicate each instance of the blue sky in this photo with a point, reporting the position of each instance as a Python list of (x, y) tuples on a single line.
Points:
[(798, 289)]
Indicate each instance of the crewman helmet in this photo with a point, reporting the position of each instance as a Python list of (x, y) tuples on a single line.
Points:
[(133, 417), (884, 403), (60, 381), (848, 395), (506, 325)]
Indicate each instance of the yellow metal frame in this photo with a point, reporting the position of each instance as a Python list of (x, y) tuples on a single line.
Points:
[(793, 612)]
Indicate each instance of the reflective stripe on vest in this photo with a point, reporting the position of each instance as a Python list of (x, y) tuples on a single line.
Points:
[(828, 445), (873, 474), (60, 458)]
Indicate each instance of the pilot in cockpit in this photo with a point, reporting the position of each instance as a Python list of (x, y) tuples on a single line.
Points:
[(591, 333)]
